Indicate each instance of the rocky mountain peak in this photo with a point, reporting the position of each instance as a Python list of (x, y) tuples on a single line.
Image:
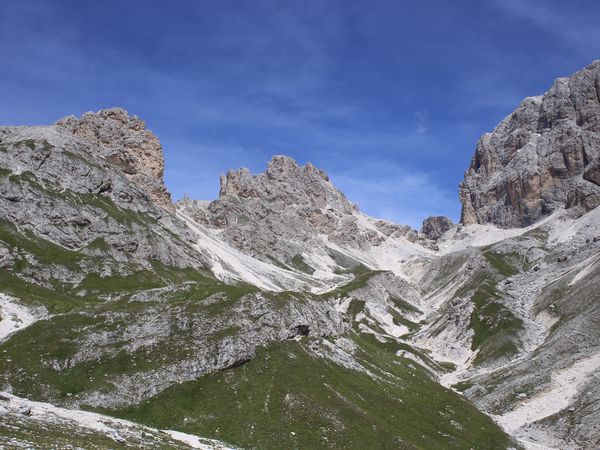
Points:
[(544, 156), (293, 215), (434, 227), (126, 143), (287, 182)]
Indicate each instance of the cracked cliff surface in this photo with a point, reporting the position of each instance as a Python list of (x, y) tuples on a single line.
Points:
[(542, 157)]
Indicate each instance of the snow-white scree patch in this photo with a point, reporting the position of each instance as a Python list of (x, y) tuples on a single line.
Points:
[(588, 266), (228, 264), (558, 396), (584, 227), (116, 429), (196, 442), (14, 316), (482, 235)]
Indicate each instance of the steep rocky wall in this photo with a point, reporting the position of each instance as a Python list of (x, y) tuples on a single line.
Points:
[(286, 211), (544, 156), (126, 143)]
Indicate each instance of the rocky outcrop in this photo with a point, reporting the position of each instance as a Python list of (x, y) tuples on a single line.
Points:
[(542, 157), (287, 211), (434, 227), (183, 331), (67, 212), (126, 143)]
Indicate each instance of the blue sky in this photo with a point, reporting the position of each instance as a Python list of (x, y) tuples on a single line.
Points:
[(389, 97)]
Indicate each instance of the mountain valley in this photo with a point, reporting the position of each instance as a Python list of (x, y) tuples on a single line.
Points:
[(280, 316)]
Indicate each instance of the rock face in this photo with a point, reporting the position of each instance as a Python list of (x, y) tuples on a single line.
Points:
[(287, 211), (126, 143), (59, 192), (434, 227), (544, 156)]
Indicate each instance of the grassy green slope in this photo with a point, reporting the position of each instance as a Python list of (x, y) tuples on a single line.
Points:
[(18, 431), (40, 362), (288, 398)]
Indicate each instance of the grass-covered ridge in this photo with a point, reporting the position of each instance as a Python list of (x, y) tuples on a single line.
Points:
[(80, 281), (50, 360), (362, 275), (495, 327), (288, 398)]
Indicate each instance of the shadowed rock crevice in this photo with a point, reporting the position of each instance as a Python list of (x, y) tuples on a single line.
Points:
[(302, 330)]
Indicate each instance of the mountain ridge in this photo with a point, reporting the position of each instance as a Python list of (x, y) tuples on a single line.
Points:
[(280, 315)]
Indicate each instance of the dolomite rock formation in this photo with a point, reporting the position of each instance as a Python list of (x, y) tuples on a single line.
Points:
[(434, 227), (56, 186), (544, 156), (126, 143), (286, 211)]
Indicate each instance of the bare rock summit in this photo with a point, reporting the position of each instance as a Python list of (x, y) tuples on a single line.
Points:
[(544, 156), (126, 143), (287, 211), (434, 227)]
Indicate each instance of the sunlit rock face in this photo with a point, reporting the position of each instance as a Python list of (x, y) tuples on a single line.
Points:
[(286, 211), (544, 156), (125, 142)]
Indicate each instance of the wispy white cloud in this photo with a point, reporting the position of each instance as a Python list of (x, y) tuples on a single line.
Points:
[(421, 120), (395, 193)]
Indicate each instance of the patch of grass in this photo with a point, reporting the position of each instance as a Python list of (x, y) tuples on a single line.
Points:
[(298, 262), (404, 306), (355, 307), (277, 263), (28, 178), (121, 215), (97, 286), (80, 159), (462, 386), (56, 300), (160, 276), (393, 346), (27, 143), (400, 320), (495, 327), (346, 263), (361, 278), (449, 366), (287, 398), (45, 251), (501, 263), (17, 431), (99, 244), (205, 286), (536, 233)]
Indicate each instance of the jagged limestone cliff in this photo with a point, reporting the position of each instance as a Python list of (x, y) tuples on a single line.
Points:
[(543, 157)]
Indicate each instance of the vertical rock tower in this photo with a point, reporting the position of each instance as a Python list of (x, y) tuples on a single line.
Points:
[(126, 143), (544, 156)]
